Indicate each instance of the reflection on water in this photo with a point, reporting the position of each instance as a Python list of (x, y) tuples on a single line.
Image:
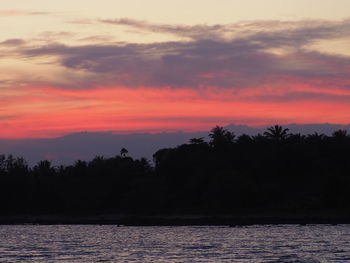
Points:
[(90, 243)]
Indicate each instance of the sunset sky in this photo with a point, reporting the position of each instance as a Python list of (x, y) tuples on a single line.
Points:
[(155, 65)]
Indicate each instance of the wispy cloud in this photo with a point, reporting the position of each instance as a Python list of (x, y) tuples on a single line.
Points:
[(280, 32), (13, 42), (7, 117), (195, 31), (97, 38), (302, 96), (15, 12)]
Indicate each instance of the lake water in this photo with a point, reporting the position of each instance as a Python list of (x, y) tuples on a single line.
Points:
[(90, 243)]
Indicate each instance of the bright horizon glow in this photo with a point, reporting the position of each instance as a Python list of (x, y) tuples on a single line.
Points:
[(103, 110)]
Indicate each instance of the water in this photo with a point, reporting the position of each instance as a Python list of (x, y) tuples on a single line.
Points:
[(90, 243)]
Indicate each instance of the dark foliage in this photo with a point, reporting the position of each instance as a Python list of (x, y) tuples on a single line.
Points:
[(276, 171)]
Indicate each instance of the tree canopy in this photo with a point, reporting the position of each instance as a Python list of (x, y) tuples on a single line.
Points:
[(226, 174)]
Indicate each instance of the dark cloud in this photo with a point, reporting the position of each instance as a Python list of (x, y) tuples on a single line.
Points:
[(188, 119), (299, 34), (7, 117), (240, 62), (209, 63), (297, 96), (13, 42), (168, 64)]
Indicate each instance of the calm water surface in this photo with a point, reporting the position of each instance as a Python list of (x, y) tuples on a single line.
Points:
[(89, 243)]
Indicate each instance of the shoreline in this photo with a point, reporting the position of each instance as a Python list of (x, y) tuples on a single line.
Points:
[(171, 220)]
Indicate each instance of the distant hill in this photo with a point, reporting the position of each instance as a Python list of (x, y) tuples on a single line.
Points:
[(86, 145)]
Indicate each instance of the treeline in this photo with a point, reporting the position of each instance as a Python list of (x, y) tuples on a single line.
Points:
[(272, 172)]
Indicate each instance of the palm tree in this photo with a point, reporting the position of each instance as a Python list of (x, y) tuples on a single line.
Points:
[(340, 134), (276, 132), (221, 137), (44, 168), (244, 139), (123, 152), (316, 137)]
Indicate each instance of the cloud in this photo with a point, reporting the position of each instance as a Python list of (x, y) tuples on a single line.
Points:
[(53, 35), (304, 96), (195, 32), (279, 32), (13, 42), (82, 21), (97, 38), (7, 117), (235, 64), (22, 13), (210, 59)]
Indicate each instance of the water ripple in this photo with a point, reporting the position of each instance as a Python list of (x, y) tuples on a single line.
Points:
[(253, 244)]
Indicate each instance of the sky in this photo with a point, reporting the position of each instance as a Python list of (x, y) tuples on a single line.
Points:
[(161, 66)]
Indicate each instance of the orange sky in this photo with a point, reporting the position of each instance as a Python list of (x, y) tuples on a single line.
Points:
[(69, 68)]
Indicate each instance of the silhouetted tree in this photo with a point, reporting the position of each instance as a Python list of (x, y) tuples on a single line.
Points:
[(227, 175), (2, 164), (244, 139), (340, 134), (44, 168), (13, 166), (315, 137), (123, 152), (276, 132), (221, 137), (197, 140)]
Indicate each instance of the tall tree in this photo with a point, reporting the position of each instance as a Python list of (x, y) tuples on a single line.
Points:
[(276, 132), (221, 137)]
